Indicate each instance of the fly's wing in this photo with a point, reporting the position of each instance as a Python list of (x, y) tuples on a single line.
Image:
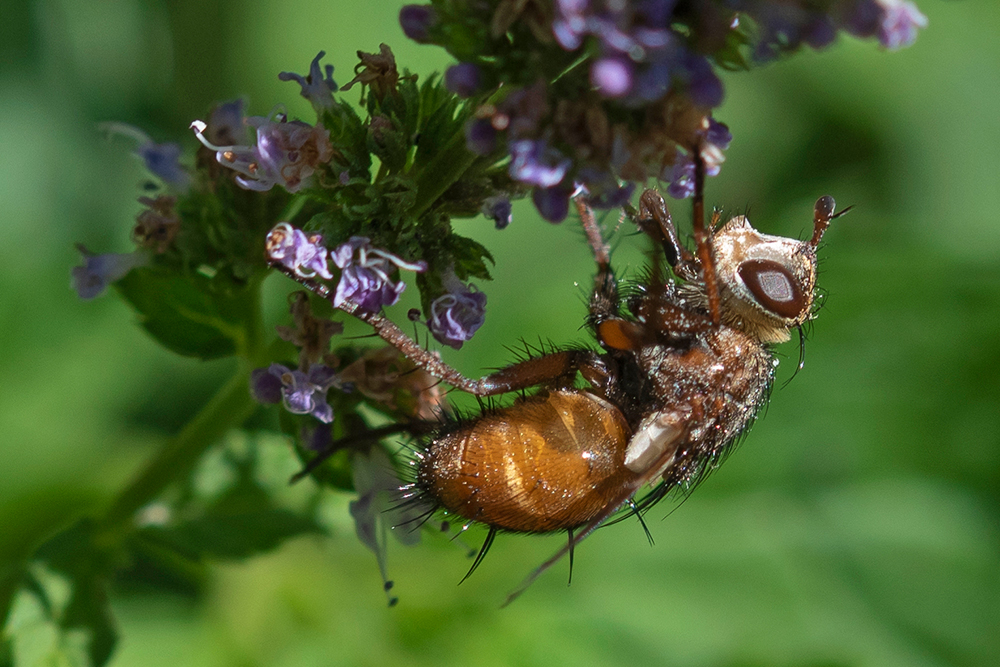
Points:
[(653, 447)]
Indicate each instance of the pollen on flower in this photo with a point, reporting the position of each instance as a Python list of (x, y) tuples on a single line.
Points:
[(287, 153), (303, 254)]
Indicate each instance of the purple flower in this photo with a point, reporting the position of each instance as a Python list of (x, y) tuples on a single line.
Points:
[(301, 393), (316, 87), (612, 77), (521, 114), (704, 86), (304, 255), (480, 136), (681, 173), (499, 210), (681, 176), (226, 124), (899, 23), (457, 315), (863, 20), (895, 22), (364, 278), (602, 189), (417, 21), (318, 438), (820, 32), (718, 134), (287, 153), (570, 24), (265, 386), (534, 162), (780, 29), (652, 81), (552, 203), (380, 506), (622, 27), (162, 160), (462, 79), (99, 271)]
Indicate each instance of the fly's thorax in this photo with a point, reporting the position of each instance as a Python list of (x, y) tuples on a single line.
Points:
[(707, 393)]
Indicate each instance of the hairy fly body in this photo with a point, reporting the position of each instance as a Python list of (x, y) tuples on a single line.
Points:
[(685, 365)]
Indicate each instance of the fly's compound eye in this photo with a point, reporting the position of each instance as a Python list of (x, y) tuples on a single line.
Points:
[(773, 286)]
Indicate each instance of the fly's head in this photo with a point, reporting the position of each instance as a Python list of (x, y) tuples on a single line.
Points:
[(767, 283)]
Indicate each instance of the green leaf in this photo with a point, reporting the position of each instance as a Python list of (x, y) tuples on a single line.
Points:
[(187, 314), (242, 523), (6, 652), (731, 56), (28, 519), (349, 134), (470, 258), (76, 554)]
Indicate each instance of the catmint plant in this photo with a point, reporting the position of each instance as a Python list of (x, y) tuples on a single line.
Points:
[(546, 100)]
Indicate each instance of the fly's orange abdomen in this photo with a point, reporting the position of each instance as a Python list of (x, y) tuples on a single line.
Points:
[(549, 462)]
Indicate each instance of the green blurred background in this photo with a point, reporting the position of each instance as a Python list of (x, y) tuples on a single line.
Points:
[(857, 525)]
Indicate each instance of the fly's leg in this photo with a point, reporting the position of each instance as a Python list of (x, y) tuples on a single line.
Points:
[(657, 314), (555, 368), (612, 330), (703, 239), (604, 300), (655, 220)]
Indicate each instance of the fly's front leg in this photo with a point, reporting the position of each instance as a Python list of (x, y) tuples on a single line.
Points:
[(604, 301), (558, 367), (655, 220), (703, 239)]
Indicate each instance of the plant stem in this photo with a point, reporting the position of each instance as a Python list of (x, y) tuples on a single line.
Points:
[(227, 409)]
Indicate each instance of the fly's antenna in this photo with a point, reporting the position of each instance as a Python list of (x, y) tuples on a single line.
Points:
[(823, 214)]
